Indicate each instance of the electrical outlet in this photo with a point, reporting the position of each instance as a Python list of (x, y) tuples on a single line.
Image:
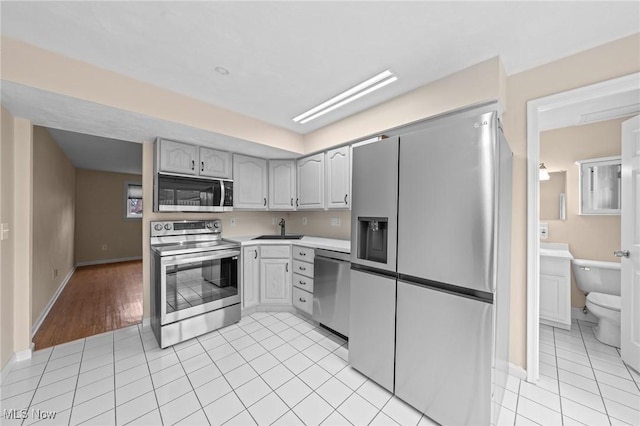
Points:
[(105, 247), (304, 220), (233, 221), (544, 231), (54, 274), (274, 220), (335, 221)]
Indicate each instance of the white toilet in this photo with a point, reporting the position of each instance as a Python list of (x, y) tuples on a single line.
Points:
[(601, 283)]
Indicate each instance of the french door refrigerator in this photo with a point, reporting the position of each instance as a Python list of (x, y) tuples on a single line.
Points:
[(452, 265)]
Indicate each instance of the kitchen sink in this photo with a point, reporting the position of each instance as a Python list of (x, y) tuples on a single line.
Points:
[(279, 237)]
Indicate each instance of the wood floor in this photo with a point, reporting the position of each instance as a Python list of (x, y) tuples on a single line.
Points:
[(96, 299)]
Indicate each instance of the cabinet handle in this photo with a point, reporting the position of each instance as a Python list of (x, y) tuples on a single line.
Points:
[(297, 202), (193, 164), (202, 168), (302, 300), (302, 282), (345, 198), (292, 202), (265, 202), (302, 268), (255, 254), (303, 253), (286, 267)]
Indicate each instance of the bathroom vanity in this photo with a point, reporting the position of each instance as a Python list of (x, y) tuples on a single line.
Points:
[(555, 285)]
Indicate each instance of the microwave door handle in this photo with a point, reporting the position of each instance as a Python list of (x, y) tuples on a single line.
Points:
[(222, 190)]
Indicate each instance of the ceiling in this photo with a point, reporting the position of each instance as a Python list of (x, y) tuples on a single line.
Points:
[(286, 57)]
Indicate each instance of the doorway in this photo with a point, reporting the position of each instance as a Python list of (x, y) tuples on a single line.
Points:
[(601, 101)]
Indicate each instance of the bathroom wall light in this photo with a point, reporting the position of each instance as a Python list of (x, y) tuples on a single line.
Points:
[(350, 95), (543, 173)]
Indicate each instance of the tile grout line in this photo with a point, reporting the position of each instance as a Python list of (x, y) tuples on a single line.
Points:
[(606, 411), (115, 401), (84, 342), (144, 352), (555, 354), (37, 386)]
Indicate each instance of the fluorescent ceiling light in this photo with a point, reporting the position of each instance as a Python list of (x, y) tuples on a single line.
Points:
[(364, 88)]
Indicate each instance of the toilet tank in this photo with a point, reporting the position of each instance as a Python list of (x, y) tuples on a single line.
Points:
[(597, 276)]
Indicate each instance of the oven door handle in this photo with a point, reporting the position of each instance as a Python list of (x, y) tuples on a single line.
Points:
[(181, 259)]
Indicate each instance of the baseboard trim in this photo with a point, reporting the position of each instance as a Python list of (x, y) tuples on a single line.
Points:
[(517, 371), (103, 261), (52, 301), (576, 313)]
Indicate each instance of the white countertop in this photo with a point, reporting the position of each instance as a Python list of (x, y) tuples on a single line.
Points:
[(559, 250), (343, 246)]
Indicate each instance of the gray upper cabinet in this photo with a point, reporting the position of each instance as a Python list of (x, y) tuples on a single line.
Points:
[(339, 178), (215, 163), (249, 182), (189, 159), (282, 184), (178, 157), (311, 182)]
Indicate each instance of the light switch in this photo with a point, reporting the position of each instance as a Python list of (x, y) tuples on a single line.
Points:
[(4, 231), (335, 221)]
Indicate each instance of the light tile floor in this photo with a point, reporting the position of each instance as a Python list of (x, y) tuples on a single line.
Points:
[(280, 369), (270, 368), (582, 381)]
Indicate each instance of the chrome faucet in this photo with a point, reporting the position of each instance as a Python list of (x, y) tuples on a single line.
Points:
[(281, 225)]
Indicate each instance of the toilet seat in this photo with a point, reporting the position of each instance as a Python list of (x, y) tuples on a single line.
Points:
[(607, 301)]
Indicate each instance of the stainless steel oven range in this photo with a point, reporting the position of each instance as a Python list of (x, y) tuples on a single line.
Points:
[(194, 278)]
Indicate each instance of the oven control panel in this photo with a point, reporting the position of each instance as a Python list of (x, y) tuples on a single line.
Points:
[(186, 227)]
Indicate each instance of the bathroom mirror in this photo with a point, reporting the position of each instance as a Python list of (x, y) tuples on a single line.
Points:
[(600, 185), (553, 204)]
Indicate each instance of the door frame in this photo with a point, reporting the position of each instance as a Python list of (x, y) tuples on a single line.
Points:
[(536, 107)]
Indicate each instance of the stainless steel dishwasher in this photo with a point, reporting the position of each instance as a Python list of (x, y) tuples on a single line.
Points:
[(331, 290)]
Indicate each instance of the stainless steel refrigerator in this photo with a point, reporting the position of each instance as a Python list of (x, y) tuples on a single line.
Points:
[(431, 224)]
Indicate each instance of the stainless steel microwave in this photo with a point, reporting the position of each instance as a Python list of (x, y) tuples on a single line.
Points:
[(191, 194)]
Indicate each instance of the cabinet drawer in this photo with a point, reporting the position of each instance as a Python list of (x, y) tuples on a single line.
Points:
[(302, 282), (303, 300), (283, 251), (303, 268), (552, 266), (303, 253)]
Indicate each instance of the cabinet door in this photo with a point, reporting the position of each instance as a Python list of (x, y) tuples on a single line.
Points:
[(339, 178), (250, 276), (311, 182), (552, 297), (282, 184), (249, 182), (178, 157), (215, 163), (275, 281)]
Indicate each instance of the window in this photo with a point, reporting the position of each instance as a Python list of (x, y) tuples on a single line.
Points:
[(133, 200)]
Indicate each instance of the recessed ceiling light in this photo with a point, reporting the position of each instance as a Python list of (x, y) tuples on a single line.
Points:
[(374, 83), (222, 70)]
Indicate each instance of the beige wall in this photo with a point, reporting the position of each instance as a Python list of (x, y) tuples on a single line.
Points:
[(589, 236), (22, 233), (54, 181), (602, 63), (6, 246), (319, 224), (100, 218)]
